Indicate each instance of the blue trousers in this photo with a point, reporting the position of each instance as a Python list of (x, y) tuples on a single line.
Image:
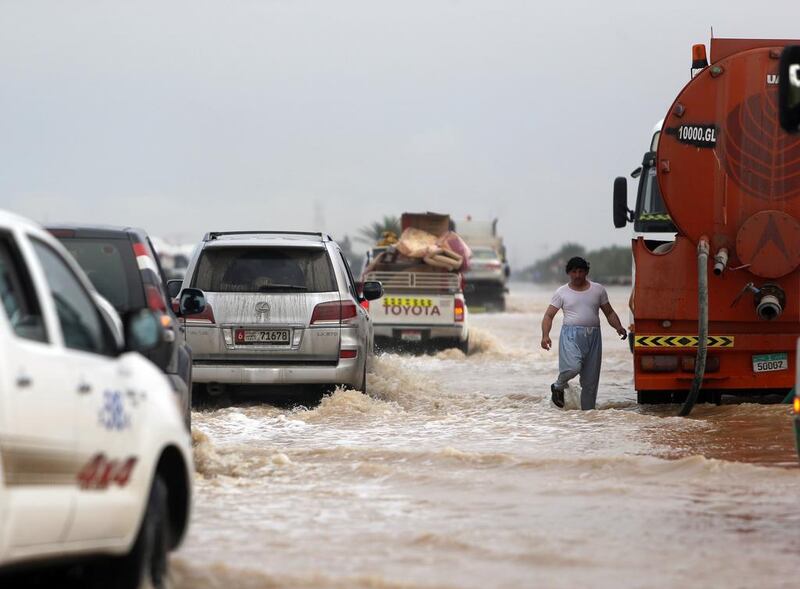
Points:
[(580, 351)]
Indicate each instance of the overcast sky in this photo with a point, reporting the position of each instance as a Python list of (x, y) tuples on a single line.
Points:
[(184, 117)]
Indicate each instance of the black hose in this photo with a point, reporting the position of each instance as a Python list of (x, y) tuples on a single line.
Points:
[(702, 327)]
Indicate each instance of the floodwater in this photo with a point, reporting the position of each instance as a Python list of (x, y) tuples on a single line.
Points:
[(457, 471)]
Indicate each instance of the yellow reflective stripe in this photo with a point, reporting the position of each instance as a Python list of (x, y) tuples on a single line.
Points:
[(407, 302), (681, 341)]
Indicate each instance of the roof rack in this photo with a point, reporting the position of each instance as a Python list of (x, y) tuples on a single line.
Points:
[(212, 235)]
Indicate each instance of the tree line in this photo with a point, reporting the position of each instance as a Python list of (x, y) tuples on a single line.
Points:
[(609, 265)]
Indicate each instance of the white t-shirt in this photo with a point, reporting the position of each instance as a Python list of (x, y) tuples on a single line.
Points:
[(580, 307)]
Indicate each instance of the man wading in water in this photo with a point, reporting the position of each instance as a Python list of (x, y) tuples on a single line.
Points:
[(580, 345)]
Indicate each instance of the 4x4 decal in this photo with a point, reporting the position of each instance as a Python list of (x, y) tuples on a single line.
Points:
[(100, 472)]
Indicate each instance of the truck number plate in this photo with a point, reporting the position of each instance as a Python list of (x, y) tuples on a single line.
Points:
[(411, 336), (262, 336), (770, 362)]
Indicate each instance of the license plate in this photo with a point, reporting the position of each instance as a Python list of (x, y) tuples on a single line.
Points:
[(770, 362), (271, 337), (411, 336)]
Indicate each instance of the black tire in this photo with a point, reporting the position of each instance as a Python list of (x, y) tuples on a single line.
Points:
[(146, 564), (654, 397), (187, 415), (363, 386), (464, 346), (187, 407)]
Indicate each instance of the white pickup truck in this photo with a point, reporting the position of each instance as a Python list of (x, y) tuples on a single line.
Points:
[(420, 307), (423, 304), (95, 460)]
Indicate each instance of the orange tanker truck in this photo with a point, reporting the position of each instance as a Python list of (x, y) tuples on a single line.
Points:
[(717, 310)]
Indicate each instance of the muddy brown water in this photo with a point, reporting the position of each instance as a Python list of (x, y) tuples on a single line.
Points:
[(457, 471)]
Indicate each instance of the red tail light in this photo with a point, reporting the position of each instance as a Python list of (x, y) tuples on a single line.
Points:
[(458, 310), (155, 299), (334, 312), (204, 318), (348, 353)]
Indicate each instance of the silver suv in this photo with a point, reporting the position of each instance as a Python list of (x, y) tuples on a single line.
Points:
[(282, 309)]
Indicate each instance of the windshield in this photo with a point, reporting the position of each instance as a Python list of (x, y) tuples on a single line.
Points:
[(651, 214), (484, 254), (264, 269)]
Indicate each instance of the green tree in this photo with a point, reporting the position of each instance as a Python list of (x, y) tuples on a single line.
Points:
[(373, 232)]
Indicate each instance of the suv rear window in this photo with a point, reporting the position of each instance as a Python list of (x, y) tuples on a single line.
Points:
[(111, 266), (264, 269)]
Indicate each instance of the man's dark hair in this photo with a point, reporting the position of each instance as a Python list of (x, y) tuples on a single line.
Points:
[(577, 263)]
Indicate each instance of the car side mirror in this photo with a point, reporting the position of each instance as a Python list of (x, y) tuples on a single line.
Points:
[(371, 290), (174, 287), (142, 331), (192, 301), (789, 89)]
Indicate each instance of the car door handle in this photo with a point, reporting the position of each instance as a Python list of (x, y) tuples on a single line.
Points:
[(24, 381), (84, 388)]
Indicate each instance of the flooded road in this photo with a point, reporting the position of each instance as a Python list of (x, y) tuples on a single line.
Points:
[(457, 471)]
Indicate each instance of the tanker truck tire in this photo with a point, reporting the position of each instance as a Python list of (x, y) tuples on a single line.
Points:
[(653, 397)]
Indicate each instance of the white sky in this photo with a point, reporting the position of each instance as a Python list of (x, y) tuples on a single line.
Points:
[(184, 117)]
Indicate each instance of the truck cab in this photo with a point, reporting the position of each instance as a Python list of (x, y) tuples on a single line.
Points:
[(650, 219)]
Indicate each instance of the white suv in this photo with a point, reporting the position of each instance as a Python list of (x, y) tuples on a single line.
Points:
[(282, 308), (95, 460)]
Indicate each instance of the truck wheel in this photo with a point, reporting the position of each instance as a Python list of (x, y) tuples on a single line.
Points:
[(146, 563), (654, 397), (464, 346)]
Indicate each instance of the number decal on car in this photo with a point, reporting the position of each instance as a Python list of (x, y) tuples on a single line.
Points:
[(100, 472)]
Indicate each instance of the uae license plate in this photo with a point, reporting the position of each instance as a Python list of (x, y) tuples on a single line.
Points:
[(274, 337), (409, 335), (770, 362)]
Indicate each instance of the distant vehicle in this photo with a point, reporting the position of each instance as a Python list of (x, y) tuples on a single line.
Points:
[(95, 461), (283, 309), (485, 282), (124, 267), (422, 305)]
